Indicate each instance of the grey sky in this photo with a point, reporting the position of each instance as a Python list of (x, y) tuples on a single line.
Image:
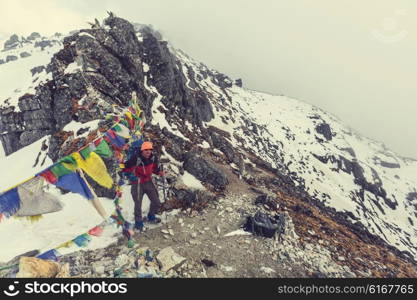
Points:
[(355, 59)]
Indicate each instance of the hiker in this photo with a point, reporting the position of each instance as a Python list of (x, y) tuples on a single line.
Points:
[(142, 164)]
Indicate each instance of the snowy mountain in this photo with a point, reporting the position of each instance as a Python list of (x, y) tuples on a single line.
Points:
[(371, 185), (57, 89)]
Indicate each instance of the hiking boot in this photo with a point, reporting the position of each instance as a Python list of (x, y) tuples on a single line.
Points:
[(153, 219), (139, 225)]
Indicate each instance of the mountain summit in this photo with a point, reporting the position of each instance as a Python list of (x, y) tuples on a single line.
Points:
[(346, 195)]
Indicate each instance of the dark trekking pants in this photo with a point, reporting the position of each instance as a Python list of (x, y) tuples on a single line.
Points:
[(137, 191)]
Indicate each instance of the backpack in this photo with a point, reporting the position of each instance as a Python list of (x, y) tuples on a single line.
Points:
[(131, 151), (134, 148), (264, 225)]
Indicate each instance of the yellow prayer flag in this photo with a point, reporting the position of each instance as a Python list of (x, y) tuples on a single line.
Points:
[(65, 245), (95, 168)]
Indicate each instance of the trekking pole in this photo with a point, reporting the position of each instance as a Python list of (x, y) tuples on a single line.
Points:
[(163, 189), (163, 177), (163, 183)]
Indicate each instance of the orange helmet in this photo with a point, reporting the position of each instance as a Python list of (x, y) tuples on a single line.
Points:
[(146, 146)]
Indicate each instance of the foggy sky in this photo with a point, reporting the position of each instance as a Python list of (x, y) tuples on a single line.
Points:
[(355, 59)]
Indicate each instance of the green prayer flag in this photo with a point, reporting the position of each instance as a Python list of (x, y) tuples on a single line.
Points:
[(69, 160), (103, 150), (124, 122), (59, 170), (85, 153)]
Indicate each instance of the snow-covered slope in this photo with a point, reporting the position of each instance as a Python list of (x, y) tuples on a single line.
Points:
[(336, 165), (23, 67)]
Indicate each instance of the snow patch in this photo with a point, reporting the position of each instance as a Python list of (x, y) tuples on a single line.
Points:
[(74, 126), (72, 68), (20, 164), (145, 67), (192, 182), (238, 232), (86, 34)]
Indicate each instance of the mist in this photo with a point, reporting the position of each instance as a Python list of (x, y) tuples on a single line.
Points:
[(354, 60)]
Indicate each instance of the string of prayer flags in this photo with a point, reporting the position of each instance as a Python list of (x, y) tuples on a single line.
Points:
[(118, 217), (67, 174)]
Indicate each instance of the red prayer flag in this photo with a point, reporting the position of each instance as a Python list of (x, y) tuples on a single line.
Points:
[(96, 231), (97, 142), (131, 123), (49, 176), (112, 133)]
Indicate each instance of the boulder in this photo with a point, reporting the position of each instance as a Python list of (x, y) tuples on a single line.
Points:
[(43, 44), (98, 268), (222, 80), (64, 272), (32, 267), (168, 259), (11, 43), (33, 35), (121, 260), (325, 130), (267, 200), (25, 54), (11, 58), (205, 171), (30, 136), (37, 69), (225, 146), (191, 198), (412, 196)]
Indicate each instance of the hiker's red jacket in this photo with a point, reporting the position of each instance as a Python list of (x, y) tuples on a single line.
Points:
[(142, 167)]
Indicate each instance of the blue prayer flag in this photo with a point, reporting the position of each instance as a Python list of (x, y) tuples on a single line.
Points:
[(9, 202), (50, 255), (74, 183)]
